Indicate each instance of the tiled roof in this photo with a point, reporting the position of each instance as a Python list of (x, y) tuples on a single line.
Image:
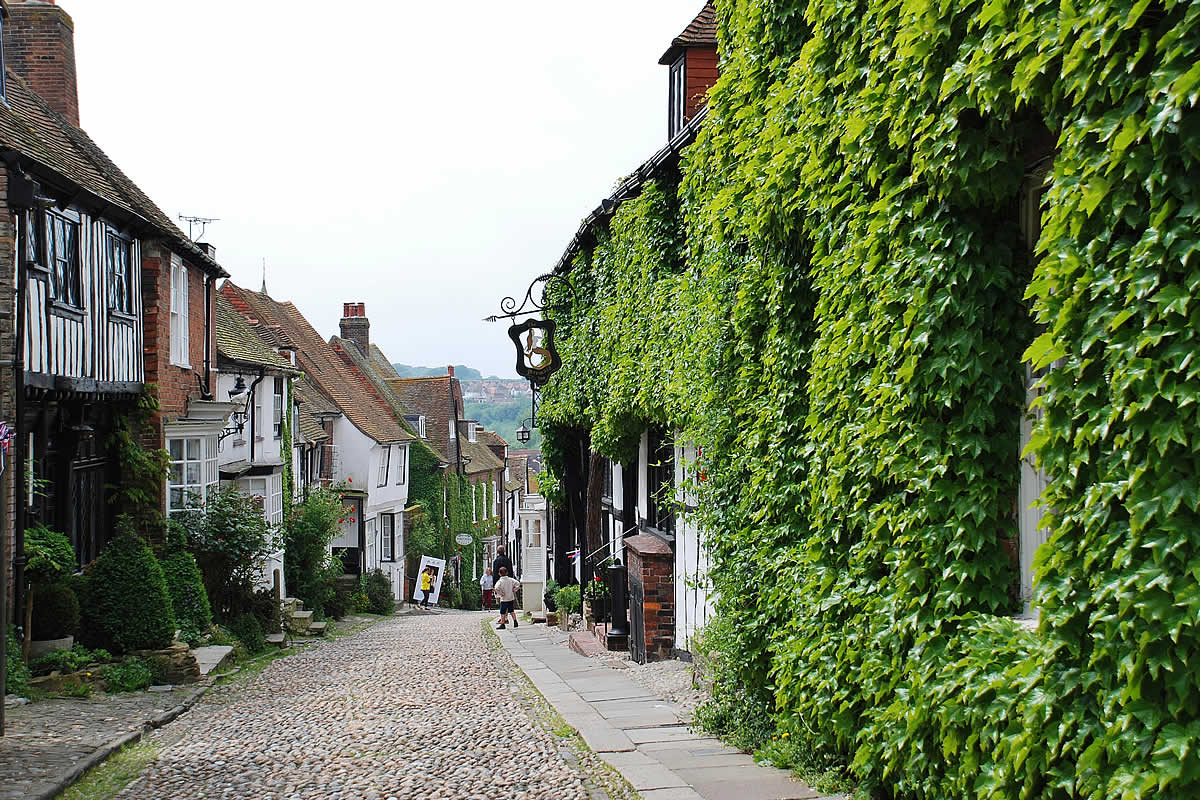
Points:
[(309, 427), (30, 127), (344, 385), (381, 364), (314, 399), (238, 342), (482, 457), (701, 32), (429, 397), (349, 351)]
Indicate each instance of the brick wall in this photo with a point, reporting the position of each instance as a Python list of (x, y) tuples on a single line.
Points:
[(39, 45), (651, 561), (176, 385)]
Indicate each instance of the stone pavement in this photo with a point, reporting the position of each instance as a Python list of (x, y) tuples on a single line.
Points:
[(48, 744), (413, 708), (639, 734)]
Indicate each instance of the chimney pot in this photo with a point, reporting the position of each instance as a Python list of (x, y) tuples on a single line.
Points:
[(450, 370), (356, 327)]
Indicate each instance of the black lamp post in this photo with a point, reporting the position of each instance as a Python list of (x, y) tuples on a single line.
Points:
[(523, 434)]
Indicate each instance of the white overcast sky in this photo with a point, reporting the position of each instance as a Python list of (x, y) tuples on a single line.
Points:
[(426, 158)]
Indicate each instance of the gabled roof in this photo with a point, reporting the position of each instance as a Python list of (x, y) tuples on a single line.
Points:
[(240, 344), (66, 159), (345, 386), (350, 351), (381, 364), (437, 397), (431, 398), (701, 32)]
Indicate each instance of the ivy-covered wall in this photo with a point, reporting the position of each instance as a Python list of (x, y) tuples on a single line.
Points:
[(838, 303)]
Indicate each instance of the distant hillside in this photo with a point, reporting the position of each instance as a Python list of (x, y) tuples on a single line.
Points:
[(461, 372)]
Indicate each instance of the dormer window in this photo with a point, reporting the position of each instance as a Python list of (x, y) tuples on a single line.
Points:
[(675, 105), (470, 431)]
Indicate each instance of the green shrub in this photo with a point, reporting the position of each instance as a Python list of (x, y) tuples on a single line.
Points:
[(246, 628), (49, 556), (568, 600), (267, 611), (378, 588), (231, 541), (131, 675), (55, 612), (308, 564), (71, 660), (17, 674), (128, 599), (189, 600)]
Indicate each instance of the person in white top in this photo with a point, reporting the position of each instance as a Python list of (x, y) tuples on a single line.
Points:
[(506, 590), (485, 584)]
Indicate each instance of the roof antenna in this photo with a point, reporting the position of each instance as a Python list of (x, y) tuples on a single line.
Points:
[(194, 222), (264, 289)]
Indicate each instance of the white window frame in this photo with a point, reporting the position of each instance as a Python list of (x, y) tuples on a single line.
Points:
[(421, 427), (474, 496), (277, 406), (401, 464), (183, 493), (387, 537), (470, 431), (385, 458), (453, 430), (180, 346)]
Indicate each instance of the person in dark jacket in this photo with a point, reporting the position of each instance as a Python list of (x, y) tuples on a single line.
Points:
[(502, 560)]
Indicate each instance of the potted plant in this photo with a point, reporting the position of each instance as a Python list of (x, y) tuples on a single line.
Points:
[(596, 601), (49, 559)]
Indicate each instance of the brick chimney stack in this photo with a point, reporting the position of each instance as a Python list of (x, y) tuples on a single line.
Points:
[(450, 371), (356, 327), (39, 45)]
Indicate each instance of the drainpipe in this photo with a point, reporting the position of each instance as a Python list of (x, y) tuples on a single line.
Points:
[(206, 384)]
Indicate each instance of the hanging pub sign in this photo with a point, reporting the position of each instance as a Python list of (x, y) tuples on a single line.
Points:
[(537, 359)]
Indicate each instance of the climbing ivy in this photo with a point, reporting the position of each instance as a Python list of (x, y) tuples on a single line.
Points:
[(837, 301)]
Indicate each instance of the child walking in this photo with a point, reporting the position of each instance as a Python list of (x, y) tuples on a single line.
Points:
[(485, 584), (506, 589)]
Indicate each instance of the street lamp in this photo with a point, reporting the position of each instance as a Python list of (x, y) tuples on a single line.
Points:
[(523, 434)]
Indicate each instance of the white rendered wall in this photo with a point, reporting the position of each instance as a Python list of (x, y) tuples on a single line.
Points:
[(694, 600)]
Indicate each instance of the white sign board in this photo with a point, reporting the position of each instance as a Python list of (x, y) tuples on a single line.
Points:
[(438, 567), (463, 538)]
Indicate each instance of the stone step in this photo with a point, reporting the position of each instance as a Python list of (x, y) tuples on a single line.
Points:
[(317, 628), (277, 639), (212, 657), (298, 621)]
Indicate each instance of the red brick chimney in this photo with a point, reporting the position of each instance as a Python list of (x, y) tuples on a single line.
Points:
[(39, 45), (356, 327), (450, 371)]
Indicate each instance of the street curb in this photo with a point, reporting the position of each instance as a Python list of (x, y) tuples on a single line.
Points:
[(101, 754)]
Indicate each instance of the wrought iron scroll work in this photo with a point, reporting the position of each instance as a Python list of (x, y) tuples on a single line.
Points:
[(509, 309)]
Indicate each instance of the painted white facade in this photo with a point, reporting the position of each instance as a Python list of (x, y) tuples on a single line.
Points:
[(533, 526), (694, 599)]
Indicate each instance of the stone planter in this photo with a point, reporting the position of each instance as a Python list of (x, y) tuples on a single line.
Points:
[(41, 647), (551, 617)]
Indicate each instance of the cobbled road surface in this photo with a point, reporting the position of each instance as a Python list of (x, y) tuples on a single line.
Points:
[(413, 707)]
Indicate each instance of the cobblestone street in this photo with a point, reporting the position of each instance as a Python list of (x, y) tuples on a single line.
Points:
[(414, 707)]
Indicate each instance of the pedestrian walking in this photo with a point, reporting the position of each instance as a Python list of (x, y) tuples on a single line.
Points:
[(502, 560), (426, 586), (506, 590), (485, 584)]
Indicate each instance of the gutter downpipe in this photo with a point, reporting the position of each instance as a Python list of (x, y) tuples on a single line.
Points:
[(206, 384), (254, 417)]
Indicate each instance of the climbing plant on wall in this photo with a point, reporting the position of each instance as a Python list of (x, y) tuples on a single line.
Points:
[(839, 303)]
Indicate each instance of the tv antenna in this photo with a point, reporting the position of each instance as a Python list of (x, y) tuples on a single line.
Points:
[(197, 222)]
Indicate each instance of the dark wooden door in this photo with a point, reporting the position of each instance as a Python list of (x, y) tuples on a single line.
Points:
[(90, 529), (637, 619)]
